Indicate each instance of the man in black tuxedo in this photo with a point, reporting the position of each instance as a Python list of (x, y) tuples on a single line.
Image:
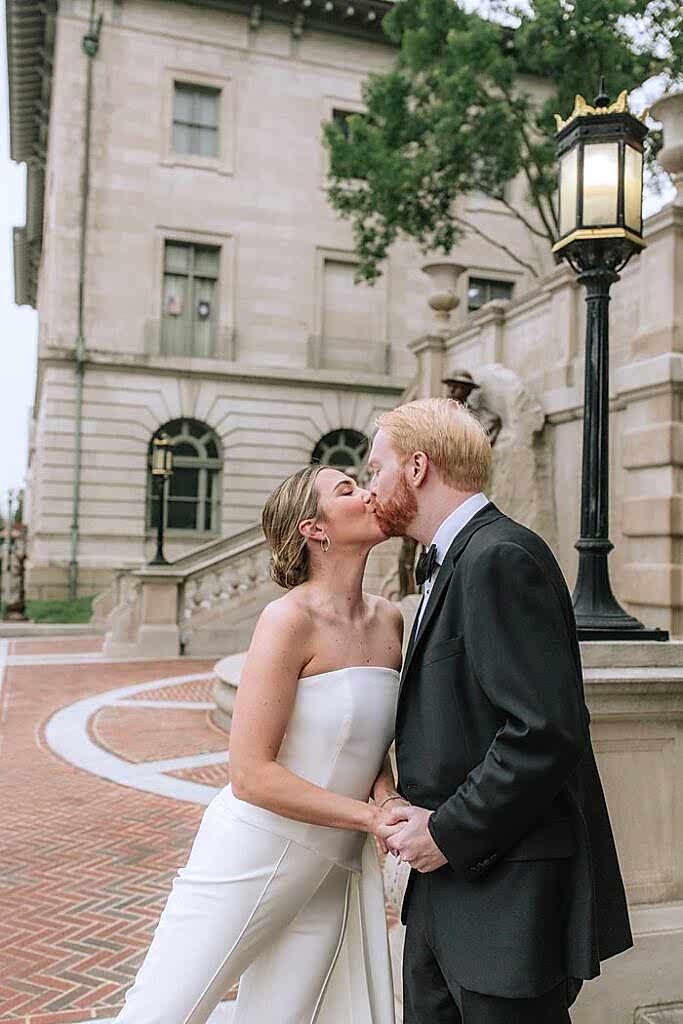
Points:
[(515, 894)]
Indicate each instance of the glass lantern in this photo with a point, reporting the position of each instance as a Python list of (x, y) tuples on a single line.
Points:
[(600, 152), (162, 456)]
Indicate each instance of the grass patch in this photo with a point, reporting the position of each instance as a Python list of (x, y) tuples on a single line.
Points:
[(79, 610)]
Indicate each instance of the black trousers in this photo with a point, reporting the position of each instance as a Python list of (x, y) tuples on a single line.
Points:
[(429, 998)]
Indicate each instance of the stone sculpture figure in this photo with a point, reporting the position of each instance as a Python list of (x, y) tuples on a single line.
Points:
[(460, 387)]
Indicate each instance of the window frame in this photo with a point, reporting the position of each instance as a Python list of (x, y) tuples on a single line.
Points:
[(192, 277), (224, 161), (381, 291), (224, 339), (330, 104), (203, 465), (500, 279), (195, 90)]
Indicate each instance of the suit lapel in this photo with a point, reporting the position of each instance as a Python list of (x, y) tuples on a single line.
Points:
[(488, 514)]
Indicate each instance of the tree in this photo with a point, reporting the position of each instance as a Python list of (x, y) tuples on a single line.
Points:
[(458, 113)]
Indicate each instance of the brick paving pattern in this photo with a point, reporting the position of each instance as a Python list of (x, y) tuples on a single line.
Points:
[(129, 733), (87, 864), (57, 645)]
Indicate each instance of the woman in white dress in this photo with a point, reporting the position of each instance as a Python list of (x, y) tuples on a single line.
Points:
[(282, 887)]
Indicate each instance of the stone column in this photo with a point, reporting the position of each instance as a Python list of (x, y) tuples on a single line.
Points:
[(429, 348)]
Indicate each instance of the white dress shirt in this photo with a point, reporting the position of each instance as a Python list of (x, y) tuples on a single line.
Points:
[(446, 534)]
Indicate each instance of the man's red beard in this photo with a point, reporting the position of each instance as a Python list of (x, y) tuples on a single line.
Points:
[(396, 514)]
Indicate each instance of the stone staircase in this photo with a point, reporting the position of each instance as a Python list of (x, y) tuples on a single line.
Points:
[(205, 603)]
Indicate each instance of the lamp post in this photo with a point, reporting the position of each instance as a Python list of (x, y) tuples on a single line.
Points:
[(600, 152), (162, 468)]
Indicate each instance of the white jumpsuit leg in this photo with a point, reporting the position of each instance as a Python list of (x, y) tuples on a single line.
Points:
[(244, 893)]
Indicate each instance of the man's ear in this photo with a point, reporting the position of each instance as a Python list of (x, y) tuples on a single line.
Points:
[(418, 468)]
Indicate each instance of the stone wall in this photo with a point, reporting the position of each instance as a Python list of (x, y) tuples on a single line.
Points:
[(539, 339), (286, 262)]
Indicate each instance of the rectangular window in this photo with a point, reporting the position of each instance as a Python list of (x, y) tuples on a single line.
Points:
[(190, 314), (195, 119), (481, 290)]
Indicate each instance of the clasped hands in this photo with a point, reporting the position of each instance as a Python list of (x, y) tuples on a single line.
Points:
[(402, 831)]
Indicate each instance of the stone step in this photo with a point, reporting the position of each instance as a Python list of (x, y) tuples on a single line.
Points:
[(672, 1013)]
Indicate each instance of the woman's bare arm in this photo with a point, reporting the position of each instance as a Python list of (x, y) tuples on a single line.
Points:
[(265, 699)]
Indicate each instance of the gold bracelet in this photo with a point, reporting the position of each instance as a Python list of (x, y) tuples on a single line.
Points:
[(396, 796)]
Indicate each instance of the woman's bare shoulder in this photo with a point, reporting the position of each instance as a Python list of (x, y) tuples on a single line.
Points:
[(290, 612), (387, 611)]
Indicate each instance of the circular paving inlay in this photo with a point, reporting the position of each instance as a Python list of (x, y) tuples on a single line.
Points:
[(72, 733)]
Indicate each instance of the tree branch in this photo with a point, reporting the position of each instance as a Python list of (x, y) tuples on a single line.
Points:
[(515, 212), (498, 244)]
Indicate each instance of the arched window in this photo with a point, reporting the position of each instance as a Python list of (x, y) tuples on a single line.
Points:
[(344, 449), (193, 492)]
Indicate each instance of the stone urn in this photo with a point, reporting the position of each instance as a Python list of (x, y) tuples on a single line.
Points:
[(669, 110), (443, 298)]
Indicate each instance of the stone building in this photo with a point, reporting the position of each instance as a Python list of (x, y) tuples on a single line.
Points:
[(201, 266)]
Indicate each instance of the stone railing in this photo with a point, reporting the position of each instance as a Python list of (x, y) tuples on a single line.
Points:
[(205, 602)]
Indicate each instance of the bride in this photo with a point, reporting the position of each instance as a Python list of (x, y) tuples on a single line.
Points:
[(282, 887)]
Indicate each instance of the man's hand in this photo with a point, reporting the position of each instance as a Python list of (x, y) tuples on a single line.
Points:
[(412, 840), (381, 828)]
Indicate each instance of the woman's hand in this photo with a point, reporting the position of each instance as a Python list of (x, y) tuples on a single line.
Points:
[(381, 820)]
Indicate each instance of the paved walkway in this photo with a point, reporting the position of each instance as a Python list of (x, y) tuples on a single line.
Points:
[(104, 771), (105, 767)]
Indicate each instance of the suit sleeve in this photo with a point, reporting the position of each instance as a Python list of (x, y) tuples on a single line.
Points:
[(518, 648)]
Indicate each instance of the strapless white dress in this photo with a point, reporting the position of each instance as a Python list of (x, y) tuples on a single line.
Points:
[(264, 898)]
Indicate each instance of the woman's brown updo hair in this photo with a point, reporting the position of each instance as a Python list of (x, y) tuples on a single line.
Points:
[(292, 501)]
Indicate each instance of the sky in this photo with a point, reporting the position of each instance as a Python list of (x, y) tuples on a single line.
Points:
[(19, 327)]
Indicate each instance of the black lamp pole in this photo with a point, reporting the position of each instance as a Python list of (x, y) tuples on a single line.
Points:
[(162, 468), (600, 149), (159, 558)]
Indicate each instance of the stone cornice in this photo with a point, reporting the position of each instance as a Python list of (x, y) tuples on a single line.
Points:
[(30, 48), (359, 18), (220, 369)]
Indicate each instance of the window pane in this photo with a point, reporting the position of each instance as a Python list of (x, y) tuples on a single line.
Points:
[(182, 514), (209, 505), (175, 315), (184, 482), (481, 290), (208, 142), (212, 450), (182, 138), (204, 317), (600, 183), (206, 262), (182, 102), (568, 180), (207, 108), (185, 448), (177, 258)]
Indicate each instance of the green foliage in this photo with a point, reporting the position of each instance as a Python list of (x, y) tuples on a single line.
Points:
[(79, 610), (468, 105)]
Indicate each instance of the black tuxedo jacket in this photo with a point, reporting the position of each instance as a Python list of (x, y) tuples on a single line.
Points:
[(492, 734)]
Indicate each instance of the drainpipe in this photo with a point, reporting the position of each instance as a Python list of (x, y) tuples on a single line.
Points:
[(91, 45)]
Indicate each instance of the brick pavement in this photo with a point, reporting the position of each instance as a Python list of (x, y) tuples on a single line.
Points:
[(87, 863)]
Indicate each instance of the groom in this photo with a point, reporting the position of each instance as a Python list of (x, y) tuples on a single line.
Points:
[(515, 893)]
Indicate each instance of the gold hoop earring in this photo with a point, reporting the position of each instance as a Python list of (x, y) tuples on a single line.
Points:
[(325, 544)]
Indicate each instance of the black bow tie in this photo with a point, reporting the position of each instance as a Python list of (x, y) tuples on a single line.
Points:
[(427, 564)]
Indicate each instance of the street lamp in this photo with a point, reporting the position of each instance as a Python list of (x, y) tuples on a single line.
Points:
[(600, 152), (162, 468)]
